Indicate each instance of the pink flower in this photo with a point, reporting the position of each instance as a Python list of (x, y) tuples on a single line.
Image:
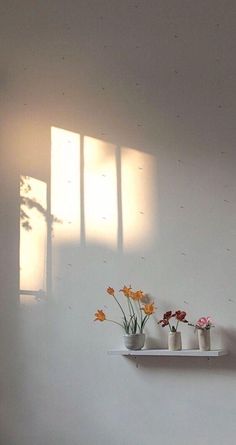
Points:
[(204, 323)]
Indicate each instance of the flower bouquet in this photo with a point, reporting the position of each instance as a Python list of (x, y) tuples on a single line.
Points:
[(135, 315), (203, 326), (174, 339), (203, 323)]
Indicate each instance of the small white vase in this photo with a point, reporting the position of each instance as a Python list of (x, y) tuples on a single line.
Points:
[(204, 339), (174, 341), (134, 342)]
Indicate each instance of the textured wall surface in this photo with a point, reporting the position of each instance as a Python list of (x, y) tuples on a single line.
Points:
[(145, 92)]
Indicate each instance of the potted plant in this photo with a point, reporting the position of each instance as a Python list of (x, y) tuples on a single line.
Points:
[(134, 316), (203, 326), (174, 338)]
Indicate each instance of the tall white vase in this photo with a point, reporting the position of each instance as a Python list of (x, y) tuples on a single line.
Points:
[(204, 339), (174, 341)]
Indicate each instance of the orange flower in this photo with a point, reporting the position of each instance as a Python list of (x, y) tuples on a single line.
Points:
[(138, 295), (100, 315), (149, 309), (126, 291), (110, 291)]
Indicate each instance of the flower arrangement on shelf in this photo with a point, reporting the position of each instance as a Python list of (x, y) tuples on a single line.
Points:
[(203, 323), (136, 314), (174, 338), (136, 309), (179, 316), (203, 326)]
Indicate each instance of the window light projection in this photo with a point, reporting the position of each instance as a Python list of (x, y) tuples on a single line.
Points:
[(118, 194), (33, 238), (138, 199), (106, 198), (65, 184), (100, 192)]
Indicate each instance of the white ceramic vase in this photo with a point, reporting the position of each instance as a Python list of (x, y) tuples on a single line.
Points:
[(174, 341), (134, 342), (204, 339)]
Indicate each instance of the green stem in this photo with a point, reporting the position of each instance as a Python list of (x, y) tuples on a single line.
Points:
[(132, 314), (144, 322), (121, 308), (138, 324), (141, 313), (116, 322), (130, 308), (131, 305)]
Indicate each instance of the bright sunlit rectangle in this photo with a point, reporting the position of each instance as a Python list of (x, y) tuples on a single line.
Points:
[(33, 234), (100, 192), (65, 185), (138, 199)]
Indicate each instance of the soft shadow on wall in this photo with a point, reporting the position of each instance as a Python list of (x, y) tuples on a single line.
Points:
[(100, 196)]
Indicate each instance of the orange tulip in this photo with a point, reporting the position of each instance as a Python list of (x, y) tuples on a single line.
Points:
[(100, 315), (126, 291), (149, 309), (138, 295), (110, 291)]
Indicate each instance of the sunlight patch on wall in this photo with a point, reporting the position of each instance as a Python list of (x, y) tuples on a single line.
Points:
[(118, 199), (28, 300), (138, 199), (33, 234), (100, 192), (65, 185)]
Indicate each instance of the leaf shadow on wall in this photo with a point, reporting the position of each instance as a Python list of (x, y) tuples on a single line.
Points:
[(101, 197)]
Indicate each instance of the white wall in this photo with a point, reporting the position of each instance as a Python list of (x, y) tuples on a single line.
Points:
[(157, 77)]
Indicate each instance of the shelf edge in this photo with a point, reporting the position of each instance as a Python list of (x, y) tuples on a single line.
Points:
[(167, 353)]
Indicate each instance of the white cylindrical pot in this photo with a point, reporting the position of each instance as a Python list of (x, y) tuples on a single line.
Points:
[(174, 341), (204, 339), (134, 342)]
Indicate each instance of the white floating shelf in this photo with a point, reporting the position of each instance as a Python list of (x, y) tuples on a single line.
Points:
[(166, 352)]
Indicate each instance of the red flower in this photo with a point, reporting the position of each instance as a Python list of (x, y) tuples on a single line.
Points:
[(166, 318), (180, 316), (167, 315)]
